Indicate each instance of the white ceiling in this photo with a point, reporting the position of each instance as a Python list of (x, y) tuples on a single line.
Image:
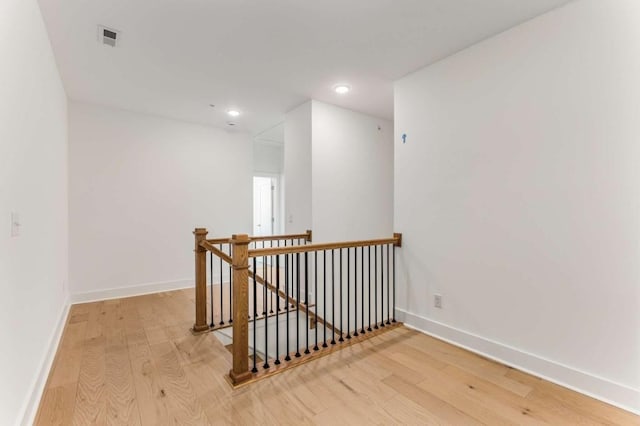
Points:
[(263, 57)]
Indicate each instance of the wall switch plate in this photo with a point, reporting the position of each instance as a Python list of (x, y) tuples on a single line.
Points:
[(437, 301), (15, 224)]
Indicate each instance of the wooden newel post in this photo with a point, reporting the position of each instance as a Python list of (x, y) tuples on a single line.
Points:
[(240, 371), (201, 282)]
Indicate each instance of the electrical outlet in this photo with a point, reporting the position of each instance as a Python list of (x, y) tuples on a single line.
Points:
[(437, 301)]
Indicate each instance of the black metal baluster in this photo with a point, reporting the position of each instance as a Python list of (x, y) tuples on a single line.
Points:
[(315, 295), (213, 324), (221, 298), (255, 315), (264, 285), (348, 296), (375, 284), (277, 272), (362, 286), (277, 361), (298, 305), (286, 292), (286, 302), (394, 283), (388, 290), (267, 281), (369, 267), (324, 277), (355, 291), (293, 285), (230, 287), (266, 326), (333, 297), (381, 286), (271, 279), (341, 339), (306, 296)]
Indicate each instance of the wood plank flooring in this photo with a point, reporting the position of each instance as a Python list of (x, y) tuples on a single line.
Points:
[(133, 361)]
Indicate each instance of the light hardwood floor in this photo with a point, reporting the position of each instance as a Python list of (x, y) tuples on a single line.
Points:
[(133, 361)]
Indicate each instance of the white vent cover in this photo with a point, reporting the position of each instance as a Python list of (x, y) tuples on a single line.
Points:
[(108, 36)]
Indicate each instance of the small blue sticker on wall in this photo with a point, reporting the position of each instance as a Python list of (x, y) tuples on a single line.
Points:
[(404, 138)]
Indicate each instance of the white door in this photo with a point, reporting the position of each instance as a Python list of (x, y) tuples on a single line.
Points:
[(263, 208)]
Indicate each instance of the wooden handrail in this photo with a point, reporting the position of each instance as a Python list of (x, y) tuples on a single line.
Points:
[(210, 244), (226, 240), (273, 251), (221, 240), (215, 250), (307, 236)]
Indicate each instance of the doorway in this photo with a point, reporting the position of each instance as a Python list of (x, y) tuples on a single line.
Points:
[(265, 203)]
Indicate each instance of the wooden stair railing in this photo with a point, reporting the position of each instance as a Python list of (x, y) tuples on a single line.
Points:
[(378, 273), (202, 246)]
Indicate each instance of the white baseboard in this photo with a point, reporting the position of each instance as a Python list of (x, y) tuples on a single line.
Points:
[(129, 291), (613, 393), (30, 408)]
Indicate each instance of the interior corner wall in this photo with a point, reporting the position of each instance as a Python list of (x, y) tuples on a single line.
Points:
[(518, 195), (33, 183), (352, 175), (297, 169), (139, 185)]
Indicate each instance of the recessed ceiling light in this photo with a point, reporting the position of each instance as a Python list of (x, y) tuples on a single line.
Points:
[(233, 112), (342, 89)]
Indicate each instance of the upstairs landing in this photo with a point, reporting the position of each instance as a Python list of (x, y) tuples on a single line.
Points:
[(134, 361)]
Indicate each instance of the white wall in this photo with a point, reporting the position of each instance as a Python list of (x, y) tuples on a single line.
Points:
[(518, 195), (297, 169), (139, 184), (268, 158), (33, 183), (338, 167), (344, 185), (352, 175)]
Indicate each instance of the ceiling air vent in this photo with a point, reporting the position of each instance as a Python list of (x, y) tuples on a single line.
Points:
[(108, 36)]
